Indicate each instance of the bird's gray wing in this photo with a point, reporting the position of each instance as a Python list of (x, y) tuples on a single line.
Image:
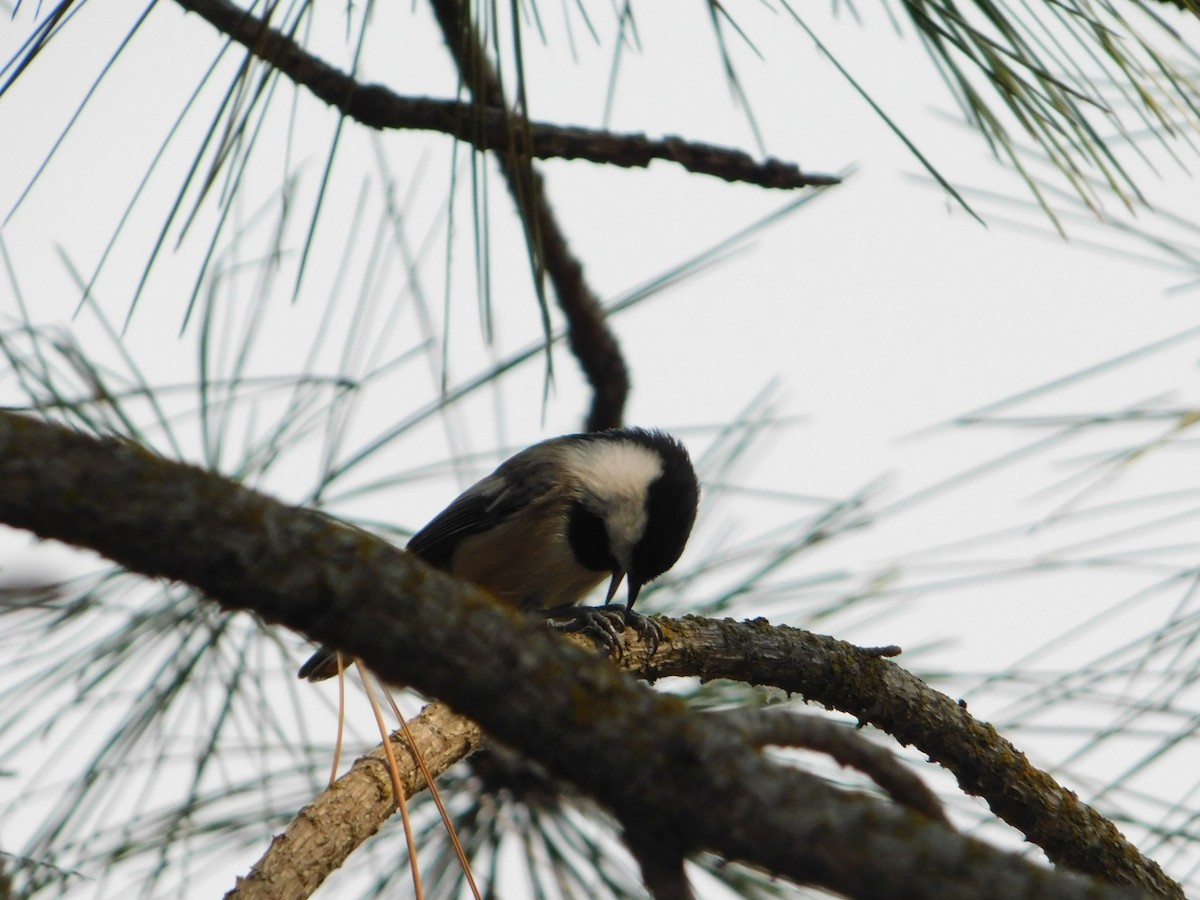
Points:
[(513, 486), (476, 509)]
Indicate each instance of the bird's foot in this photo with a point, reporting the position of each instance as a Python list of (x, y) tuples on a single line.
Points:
[(604, 623)]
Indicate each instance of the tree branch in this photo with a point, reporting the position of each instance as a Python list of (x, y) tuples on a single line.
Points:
[(668, 775), (324, 833), (487, 124), (378, 107), (588, 335), (780, 728), (860, 682)]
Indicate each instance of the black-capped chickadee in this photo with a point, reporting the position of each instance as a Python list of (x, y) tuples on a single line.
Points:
[(558, 518)]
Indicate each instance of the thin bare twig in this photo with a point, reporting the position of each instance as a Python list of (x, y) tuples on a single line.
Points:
[(487, 124), (588, 335), (489, 127), (781, 728)]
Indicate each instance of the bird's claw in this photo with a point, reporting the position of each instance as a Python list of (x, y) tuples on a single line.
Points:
[(604, 623)]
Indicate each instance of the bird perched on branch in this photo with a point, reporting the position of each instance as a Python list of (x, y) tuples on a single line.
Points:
[(556, 519)]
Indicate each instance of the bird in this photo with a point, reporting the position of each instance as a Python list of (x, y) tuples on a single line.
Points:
[(556, 519)]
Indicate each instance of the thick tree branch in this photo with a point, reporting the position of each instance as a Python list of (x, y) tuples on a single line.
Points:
[(354, 808), (861, 682), (857, 680), (668, 775)]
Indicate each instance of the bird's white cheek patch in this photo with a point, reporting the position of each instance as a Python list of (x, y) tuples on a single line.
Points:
[(617, 474)]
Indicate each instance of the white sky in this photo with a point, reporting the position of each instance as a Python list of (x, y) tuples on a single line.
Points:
[(880, 309)]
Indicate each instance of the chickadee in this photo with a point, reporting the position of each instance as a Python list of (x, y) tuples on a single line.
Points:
[(558, 518)]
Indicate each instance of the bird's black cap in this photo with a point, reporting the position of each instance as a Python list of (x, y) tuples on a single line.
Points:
[(671, 503)]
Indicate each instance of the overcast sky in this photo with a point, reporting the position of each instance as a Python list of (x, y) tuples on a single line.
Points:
[(878, 310)]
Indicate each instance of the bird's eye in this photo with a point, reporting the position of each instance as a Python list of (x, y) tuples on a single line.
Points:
[(589, 539)]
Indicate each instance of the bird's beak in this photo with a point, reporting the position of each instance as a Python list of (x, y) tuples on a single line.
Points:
[(635, 588), (618, 575)]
